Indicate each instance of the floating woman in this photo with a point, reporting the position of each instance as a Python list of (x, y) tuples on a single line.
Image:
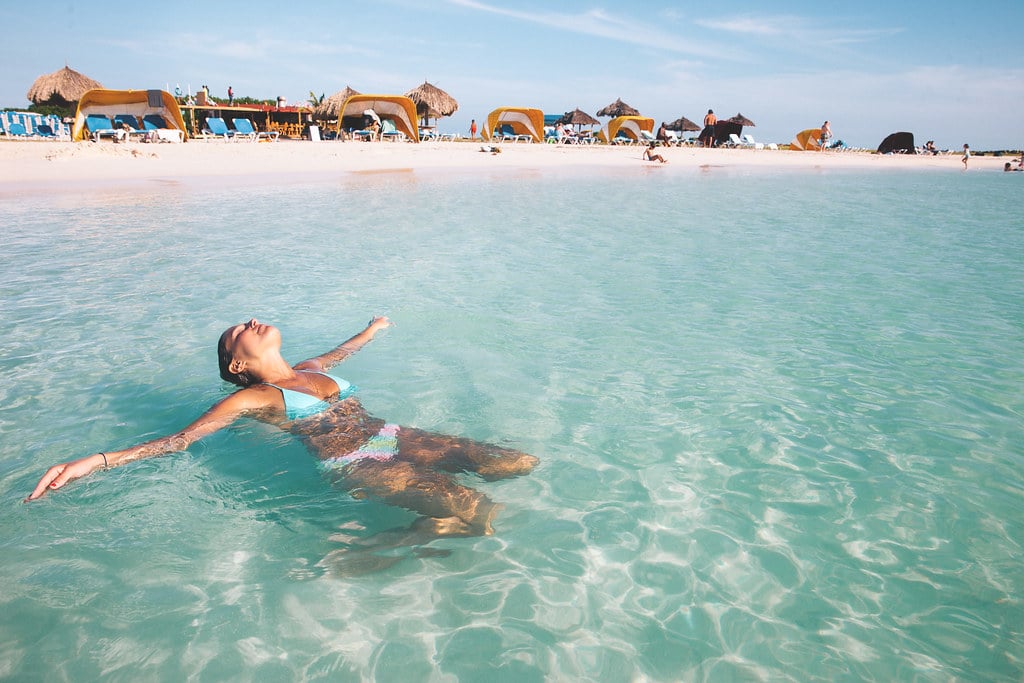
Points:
[(362, 454)]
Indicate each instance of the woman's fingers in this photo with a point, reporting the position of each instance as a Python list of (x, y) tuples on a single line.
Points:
[(49, 480)]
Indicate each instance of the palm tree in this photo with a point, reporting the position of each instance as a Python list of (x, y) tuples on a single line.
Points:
[(315, 101)]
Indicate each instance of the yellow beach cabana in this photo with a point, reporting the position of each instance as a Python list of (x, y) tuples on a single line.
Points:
[(522, 121), (630, 126), (807, 140), (399, 109), (139, 103)]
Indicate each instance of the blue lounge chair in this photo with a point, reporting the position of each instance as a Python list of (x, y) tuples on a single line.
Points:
[(132, 121), (389, 132), (218, 128), (100, 126), (509, 134), (244, 128), (17, 130), (45, 130)]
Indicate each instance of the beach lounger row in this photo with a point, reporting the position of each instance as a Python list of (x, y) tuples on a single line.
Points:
[(26, 125), (128, 127), (243, 130)]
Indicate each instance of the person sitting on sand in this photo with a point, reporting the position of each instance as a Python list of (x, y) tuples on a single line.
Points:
[(650, 156), (1009, 167), (362, 454)]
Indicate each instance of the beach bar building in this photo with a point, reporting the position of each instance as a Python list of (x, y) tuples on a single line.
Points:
[(286, 121)]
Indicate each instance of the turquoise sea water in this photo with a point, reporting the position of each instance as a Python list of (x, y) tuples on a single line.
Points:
[(779, 418)]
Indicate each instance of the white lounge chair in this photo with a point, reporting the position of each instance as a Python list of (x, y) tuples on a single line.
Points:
[(733, 141), (748, 141)]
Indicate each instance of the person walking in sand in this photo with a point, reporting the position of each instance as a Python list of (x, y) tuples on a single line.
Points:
[(358, 452), (967, 155), (472, 129), (708, 134)]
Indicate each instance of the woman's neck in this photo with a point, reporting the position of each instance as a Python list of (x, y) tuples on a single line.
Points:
[(275, 370)]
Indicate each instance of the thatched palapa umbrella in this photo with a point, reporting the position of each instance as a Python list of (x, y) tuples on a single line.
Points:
[(741, 120), (62, 87), (578, 117), (683, 125), (618, 108), (432, 102), (329, 108)]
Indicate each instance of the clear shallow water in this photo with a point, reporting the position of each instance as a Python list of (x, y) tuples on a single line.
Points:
[(779, 419)]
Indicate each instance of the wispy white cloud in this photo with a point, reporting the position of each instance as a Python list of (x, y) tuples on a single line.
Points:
[(795, 27), (255, 50), (602, 24)]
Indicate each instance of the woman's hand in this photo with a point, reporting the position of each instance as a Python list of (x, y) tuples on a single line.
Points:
[(58, 475), (378, 323)]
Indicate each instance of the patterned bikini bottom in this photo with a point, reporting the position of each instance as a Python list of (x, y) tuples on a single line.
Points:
[(381, 446)]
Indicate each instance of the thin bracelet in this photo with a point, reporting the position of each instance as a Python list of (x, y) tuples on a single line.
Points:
[(105, 465)]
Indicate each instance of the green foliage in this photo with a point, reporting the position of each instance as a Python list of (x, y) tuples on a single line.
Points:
[(315, 101), (46, 109), (253, 100)]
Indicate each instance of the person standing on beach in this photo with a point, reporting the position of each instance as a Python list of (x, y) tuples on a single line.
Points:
[(967, 155), (472, 129), (231, 96), (826, 135), (708, 134)]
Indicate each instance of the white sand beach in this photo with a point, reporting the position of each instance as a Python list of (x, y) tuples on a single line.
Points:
[(43, 165)]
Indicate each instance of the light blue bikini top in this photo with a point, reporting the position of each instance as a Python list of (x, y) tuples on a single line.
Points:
[(298, 405)]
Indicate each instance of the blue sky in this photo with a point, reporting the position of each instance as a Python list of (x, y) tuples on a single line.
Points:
[(948, 71)]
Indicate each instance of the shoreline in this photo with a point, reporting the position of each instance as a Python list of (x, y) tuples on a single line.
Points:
[(45, 166)]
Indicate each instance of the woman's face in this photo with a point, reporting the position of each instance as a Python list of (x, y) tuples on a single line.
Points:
[(251, 340)]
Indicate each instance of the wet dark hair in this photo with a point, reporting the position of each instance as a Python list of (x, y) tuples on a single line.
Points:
[(224, 359)]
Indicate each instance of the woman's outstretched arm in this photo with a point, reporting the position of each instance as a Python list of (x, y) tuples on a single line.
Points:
[(220, 415), (347, 348)]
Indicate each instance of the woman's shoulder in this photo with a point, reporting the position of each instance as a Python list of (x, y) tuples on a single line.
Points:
[(253, 397)]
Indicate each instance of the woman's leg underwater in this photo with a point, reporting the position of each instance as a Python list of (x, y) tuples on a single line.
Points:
[(458, 454), (448, 508)]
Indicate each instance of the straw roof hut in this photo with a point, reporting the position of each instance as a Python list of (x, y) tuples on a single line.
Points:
[(432, 102), (329, 108), (741, 120), (578, 117), (61, 87), (683, 124), (618, 108)]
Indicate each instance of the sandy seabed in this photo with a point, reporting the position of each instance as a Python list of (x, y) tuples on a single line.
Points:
[(31, 166)]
